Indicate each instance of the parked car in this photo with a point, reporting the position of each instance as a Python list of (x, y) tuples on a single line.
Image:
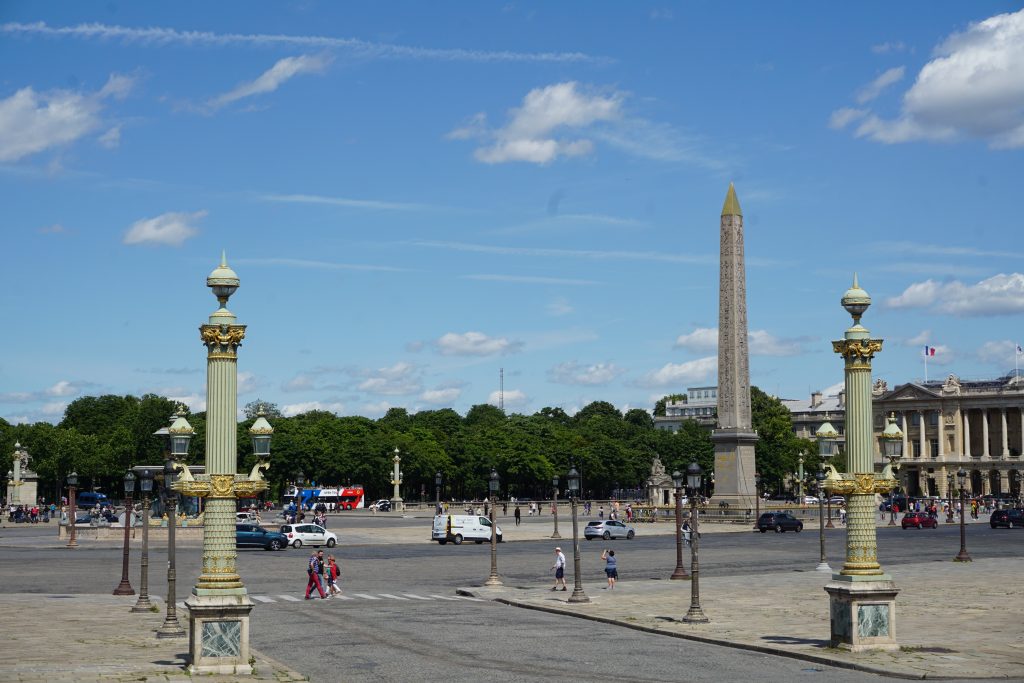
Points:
[(308, 534), (779, 521), (836, 500), (810, 500), (382, 505), (919, 520), (254, 536), (609, 528), (1014, 517)]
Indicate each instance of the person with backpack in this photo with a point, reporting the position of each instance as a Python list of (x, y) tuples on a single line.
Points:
[(333, 574), (315, 570)]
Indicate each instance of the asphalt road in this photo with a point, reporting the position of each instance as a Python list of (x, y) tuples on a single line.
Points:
[(403, 622)]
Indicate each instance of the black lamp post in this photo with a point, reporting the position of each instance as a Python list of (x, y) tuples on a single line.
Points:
[(822, 561), (146, 486), (573, 480), (680, 571), (72, 492), (962, 556), (695, 615), (892, 448), (300, 481), (949, 496), (125, 588), (757, 495), (554, 506), (493, 482), (171, 628), (437, 489), (828, 446)]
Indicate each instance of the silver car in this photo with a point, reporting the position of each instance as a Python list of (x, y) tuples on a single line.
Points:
[(611, 528)]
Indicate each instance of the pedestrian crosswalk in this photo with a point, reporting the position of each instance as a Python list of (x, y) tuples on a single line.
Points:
[(407, 597)]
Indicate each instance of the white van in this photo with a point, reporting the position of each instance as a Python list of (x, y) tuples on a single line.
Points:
[(459, 528)]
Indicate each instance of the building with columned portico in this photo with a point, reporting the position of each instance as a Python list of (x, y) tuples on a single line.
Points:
[(954, 423)]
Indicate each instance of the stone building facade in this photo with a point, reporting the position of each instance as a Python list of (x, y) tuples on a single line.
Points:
[(949, 424), (701, 404)]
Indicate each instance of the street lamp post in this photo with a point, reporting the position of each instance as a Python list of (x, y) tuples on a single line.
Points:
[(125, 588), (962, 556), (300, 481), (680, 571), (694, 615), (493, 482), (800, 478), (828, 446), (437, 490), (72, 491), (757, 495), (949, 497), (892, 448), (574, 493), (554, 506), (180, 433), (146, 486), (822, 560)]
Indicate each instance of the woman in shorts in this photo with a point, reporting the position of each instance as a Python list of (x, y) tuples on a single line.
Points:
[(611, 568)]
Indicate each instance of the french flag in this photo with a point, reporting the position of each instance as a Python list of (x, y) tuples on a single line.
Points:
[(929, 350)]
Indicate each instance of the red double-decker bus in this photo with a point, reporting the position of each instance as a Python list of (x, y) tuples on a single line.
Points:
[(340, 498)]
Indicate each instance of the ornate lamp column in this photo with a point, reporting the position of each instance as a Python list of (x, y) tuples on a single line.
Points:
[(554, 506), (180, 433), (574, 493), (493, 483), (822, 560), (962, 556), (862, 597), (828, 446), (146, 486), (695, 615), (219, 606), (437, 489), (800, 479), (125, 588), (680, 570), (892, 448), (72, 492), (396, 480)]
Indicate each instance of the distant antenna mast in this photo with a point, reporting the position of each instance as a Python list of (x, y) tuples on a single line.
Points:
[(501, 389)]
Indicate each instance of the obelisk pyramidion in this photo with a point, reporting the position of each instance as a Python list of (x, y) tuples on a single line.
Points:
[(734, 438)]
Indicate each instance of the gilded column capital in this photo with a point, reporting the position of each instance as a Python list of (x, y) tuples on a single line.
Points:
[(857, 349), (222, 340)]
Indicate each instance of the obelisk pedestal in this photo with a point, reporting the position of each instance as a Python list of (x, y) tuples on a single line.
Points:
[(734, 438)]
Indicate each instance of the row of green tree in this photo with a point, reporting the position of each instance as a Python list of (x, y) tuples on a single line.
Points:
[(100, 437)]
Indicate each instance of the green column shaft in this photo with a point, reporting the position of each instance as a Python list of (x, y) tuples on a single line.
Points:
[(861, 541), (221, 428)]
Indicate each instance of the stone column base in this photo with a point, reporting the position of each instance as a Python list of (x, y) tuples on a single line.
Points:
[(862, 613), (218, 639)]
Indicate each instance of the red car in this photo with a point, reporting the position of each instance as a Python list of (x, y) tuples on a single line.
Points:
[(919, 520)]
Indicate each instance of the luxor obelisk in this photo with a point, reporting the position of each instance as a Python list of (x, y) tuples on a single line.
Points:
[(734, 437)]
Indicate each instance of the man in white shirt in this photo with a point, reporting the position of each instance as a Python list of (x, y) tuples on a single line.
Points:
[(559, 568)]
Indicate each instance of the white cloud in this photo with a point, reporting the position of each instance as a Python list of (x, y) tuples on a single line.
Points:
[(834, 389), (248, 382), (886, 48), (972, 87), (63, 388), (475, 344), (875, 88), (54, 408), (1002, 354), (396, 380), (31, 122), (592, 254), (55, 229), (998, 295), (943, 355), (376, 409), (293, 409), (559, 307), (271, 79), (171, 228), (513, 398), (530, 280), (920, 339), (587, 375), (157, 36), (439, 397), (843, 117), (761, 342), (347, 202), (112, 138), (300, 382), (681, 374)]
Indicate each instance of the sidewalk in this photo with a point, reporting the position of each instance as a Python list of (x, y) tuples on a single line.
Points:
[(95, 638), (952, 620)]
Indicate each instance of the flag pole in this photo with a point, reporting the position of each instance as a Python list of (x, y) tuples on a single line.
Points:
[(926, 365)]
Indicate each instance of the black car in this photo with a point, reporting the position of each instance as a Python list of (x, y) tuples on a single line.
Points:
[(1014, 517), (779, 521), (255, 536)]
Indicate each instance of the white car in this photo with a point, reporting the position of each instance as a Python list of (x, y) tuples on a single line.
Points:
[(382, 505), (308, 534), (810, 500)]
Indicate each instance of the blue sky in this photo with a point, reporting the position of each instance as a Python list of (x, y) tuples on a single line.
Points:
[(415, 196)]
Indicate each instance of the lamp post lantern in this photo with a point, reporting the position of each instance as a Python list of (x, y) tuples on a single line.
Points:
[(72, 492), (573, 482), (146, 486), (695, 615), (828, 446), (180, 433), (125, 588), (492, 483), (554, 506), (862, 597), (892, 448), (822, 560), (680, 570), (961, 478)]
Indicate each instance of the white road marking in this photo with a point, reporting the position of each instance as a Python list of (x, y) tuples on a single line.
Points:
[(417, 597), (364, 595), (290, 598), (393, 597), (441, 597), (263, 598), (340, 597), (466, 597)]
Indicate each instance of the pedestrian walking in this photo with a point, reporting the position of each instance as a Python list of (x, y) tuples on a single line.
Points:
[(518, 515), (504, 508), (333, 574), (315, 570), (600, 511), (559, 567), (611, 567), (686, 532)]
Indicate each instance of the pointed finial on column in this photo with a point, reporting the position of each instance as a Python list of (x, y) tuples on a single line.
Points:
[(732, 205)]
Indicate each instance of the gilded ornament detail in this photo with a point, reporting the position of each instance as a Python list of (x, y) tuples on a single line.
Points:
[(862, 349)]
